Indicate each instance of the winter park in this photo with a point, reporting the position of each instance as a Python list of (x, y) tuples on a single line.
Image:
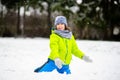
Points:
[(59, 40)]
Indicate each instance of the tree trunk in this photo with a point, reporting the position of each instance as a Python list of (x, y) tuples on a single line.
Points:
[(18, 21), (49, 19), (1, 14), (1, 21), (24, 19)]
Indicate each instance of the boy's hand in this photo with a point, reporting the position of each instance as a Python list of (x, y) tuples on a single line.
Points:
[(86, 58), (58, 63)]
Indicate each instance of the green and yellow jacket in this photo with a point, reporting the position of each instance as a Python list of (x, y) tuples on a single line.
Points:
[(63, 48)]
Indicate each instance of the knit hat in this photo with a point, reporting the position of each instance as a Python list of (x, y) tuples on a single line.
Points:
[(60, 19)]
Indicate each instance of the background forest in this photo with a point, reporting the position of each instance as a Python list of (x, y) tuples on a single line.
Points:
[(88, 19)]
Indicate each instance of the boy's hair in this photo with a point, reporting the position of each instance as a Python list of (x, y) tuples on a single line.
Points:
[(67, 28)]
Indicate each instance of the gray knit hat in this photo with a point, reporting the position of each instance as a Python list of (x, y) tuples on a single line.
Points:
[(60, 19)]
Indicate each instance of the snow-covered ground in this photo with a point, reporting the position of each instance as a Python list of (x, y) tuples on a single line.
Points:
[(19, 57)]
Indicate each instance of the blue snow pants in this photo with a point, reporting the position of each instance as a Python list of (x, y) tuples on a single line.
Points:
[(49, 66)]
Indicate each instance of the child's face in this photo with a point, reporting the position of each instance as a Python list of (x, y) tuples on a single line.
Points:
[(60, 26)]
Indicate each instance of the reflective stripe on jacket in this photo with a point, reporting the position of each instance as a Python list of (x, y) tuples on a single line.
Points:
[(63, 48)]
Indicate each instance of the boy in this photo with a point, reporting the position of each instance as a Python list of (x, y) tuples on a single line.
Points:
[(63, 46)]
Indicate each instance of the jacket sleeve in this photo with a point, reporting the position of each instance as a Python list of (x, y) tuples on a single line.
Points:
[(75, 50), (54, 47)]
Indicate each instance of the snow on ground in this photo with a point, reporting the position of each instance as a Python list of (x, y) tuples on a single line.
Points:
[(20, 56)]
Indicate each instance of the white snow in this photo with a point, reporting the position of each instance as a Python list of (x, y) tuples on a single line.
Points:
[(20, 56)]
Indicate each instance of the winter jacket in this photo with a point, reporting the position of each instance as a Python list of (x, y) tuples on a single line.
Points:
[(63, 48)]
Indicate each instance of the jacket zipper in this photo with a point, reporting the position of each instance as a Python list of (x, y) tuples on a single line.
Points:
[(67, 50)]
